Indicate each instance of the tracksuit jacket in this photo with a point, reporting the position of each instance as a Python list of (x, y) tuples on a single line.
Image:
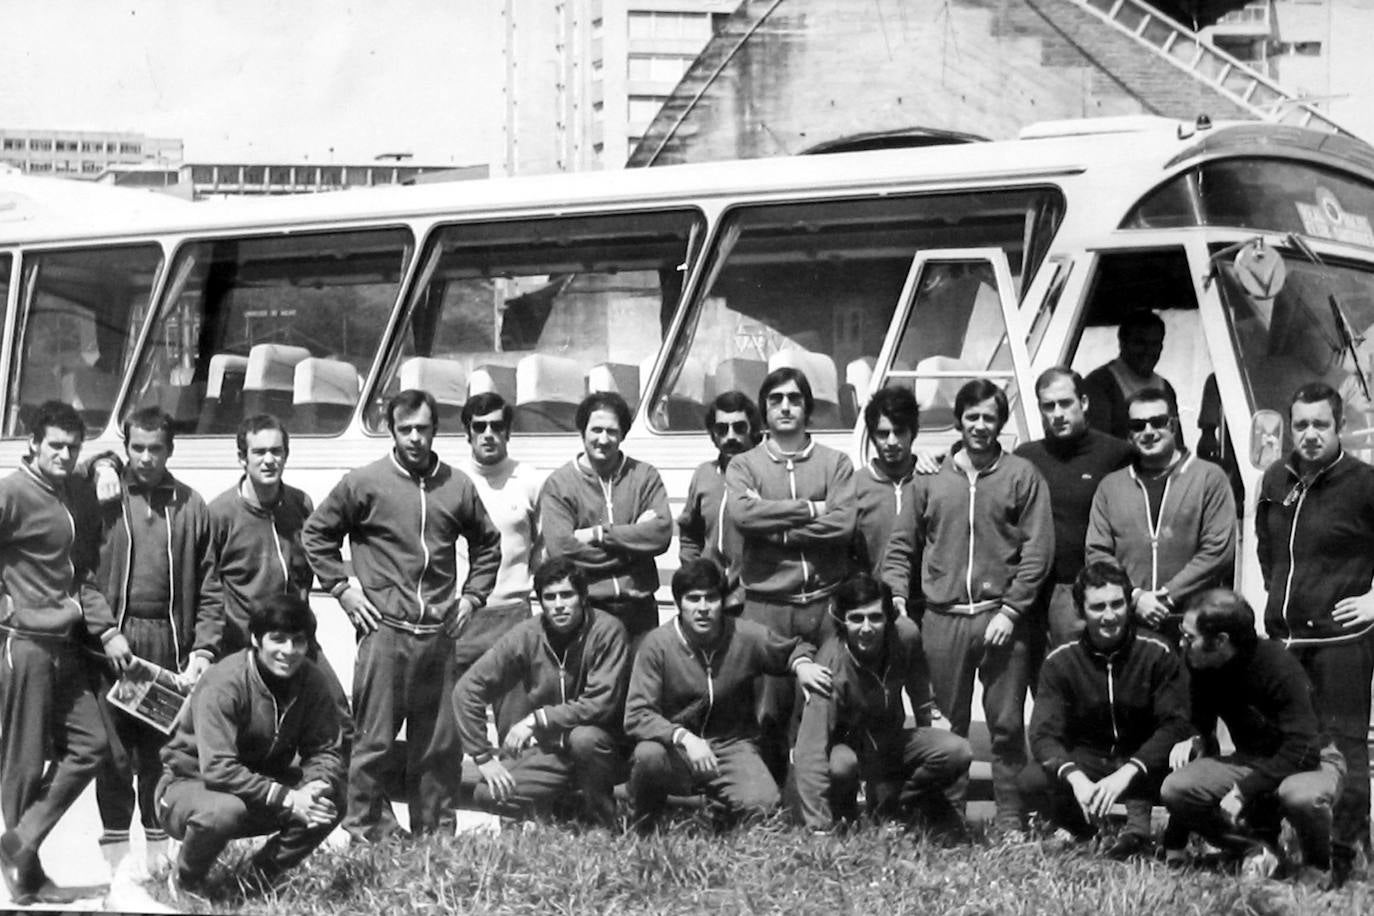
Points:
[(49, 552), (676, 688), (989, 541), (195, 609), (704, 530), (238, 738), (791, 553), (584, 685), (879, 501), (1265, 699), (864, 712), (402, 530), (1193, 544), (621, 563), (1131, 702), (257, 551), (1316, 546)]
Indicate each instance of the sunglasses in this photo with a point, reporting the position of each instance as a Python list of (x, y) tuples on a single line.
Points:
[(739, 428), (480, 426), (1159, 421)]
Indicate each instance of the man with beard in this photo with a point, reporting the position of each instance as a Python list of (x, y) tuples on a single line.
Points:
[(859, 735), (1110, 708), (732, 421), (402, 516), (1073, 458), (1315, 527)]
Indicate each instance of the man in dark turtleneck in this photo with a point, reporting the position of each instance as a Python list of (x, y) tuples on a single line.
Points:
[(1072, 458)]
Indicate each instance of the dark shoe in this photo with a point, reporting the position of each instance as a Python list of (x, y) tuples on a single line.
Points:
[(1126, 846), (52, 893), (17, 867)]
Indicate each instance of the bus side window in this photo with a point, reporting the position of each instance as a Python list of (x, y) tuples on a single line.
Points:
[(814, 285), (540, 311), (285, 325), (79, 315)]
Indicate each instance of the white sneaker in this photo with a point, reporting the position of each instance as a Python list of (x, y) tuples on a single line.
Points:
[(125, 896), (1259, 862)]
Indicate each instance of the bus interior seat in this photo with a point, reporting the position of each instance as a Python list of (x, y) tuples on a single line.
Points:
[(223, 404), (442, 378), (324, 393), (685, 406), (936, 395), (825, 387), (269, 382), (547, 392), (739, 374), (179, 401), (622, 378), (495, 378), (858, 375)]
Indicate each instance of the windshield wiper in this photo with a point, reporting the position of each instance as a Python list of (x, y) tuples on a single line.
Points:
[(1348, 342)]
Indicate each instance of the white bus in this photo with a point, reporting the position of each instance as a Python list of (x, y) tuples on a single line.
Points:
[(928, 266)]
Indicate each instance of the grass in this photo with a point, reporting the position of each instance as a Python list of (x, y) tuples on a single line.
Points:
[(764, 869)]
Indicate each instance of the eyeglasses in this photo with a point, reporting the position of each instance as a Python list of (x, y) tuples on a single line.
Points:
[(480, 426), (738, 427), (1158, 421)]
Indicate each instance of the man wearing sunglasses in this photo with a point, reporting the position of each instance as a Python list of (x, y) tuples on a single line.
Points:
[(733, 423), (1169, 518)]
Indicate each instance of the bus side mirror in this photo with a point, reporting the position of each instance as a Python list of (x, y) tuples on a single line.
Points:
[(1266, 438)]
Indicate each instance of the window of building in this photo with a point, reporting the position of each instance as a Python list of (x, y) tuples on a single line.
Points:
[(1307, 48), (88, 146), (14, 143), (279, 175), (282, 324), (40, 166), (81, 311), (202, 174), (65, 146), (40, 144), (665, 25), (644, 108), (90, 168), (659, 68), (131, 149), (254, 174)]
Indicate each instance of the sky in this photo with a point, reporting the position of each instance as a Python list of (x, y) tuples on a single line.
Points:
[(261, 80)]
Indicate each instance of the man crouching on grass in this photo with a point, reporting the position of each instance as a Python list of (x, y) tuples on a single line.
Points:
[(691, 705), (573, 662), (228, 773), (859, 733)]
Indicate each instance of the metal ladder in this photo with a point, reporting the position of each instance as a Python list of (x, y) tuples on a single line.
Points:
[(1183, 48)]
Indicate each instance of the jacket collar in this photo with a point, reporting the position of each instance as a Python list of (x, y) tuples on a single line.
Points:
[(433, 469), (1122, 649), (1337, 466), (727, 629), (584, 467), (779, 456), (881, 477), (1185, 461), (26, 465)]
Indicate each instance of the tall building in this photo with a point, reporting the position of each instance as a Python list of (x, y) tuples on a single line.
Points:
[(584, 78), (83, 153)]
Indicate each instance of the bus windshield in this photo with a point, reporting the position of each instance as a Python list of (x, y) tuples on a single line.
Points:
[(1320, 327)]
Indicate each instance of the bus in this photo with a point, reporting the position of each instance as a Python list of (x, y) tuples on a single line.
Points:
[(925, 267)]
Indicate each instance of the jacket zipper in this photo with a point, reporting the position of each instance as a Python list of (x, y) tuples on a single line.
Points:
[(1111, 703), (1152, 525), (608, 495), (424, 550), (792, 489), (1292, 537), (972, 499), (720, 520)]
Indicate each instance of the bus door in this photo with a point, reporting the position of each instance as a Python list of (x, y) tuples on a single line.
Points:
[(956, 320)]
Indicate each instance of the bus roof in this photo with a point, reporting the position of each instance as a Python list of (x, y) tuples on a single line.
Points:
[(1146, 154)]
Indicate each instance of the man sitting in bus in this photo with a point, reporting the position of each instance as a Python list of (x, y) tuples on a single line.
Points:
[(1110, 386)]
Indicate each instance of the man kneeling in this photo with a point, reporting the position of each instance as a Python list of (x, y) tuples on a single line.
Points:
[(1282, 765), (1110, 707), (691, 705), (859, 733), (228, 771), (573, 661)]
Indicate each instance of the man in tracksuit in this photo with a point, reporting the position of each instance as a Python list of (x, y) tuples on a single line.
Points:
[(52, 734), (1110, 708), (1169, 519), (402, 516), (573, 662), (981, 534), (691, 706), (883, 486), (1315, 530), (733, 423), (609, 513), (793, 501), (258, 752), (156, 572), (859, 733), (1282, 765)]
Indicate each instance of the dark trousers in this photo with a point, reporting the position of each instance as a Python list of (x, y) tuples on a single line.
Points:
[(1340, 677), (904, 779), (48, 711), (1045, 792), (1193, 796), (399, 677), (775, 696), (956, 653), (205, 821), (591, 762), (742, 783)]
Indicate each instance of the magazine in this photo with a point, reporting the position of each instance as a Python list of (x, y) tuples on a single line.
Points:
[(150, 693)]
